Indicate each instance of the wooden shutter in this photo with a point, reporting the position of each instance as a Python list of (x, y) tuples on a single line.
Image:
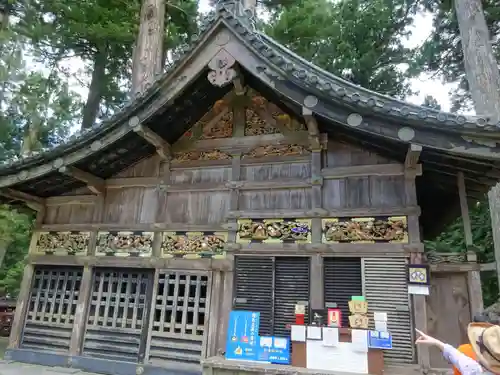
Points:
[(272, 286), (342, 280), (51, 308), (254, 289), (386, 290), (291, 286)]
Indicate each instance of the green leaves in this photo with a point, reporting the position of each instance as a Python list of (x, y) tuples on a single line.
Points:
[(442, 55), (453, 240), (31, 102), (355, 39), (15, 229)]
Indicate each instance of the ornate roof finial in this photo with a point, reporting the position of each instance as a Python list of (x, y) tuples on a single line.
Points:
[(244, 10)]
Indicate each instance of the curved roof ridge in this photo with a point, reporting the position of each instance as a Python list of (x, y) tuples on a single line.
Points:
[(441, 116)]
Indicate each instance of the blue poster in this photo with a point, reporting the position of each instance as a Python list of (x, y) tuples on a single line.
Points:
[(243, 336), (379, 340), (274, 350)]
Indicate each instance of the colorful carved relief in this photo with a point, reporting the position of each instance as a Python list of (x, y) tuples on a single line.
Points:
[(221, 129), (289, 122), (366, 229), (255, 125), (274, 230), (434, 257), (124, 244), (62, 243), (280, 150), (193, 244), (201, 155)]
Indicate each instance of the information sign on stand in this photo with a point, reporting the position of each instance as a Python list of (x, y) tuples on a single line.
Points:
[(274, 350), (243, 336), (379, 340)]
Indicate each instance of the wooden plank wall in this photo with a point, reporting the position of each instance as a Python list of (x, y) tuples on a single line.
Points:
[(211, 195), (198, 194)]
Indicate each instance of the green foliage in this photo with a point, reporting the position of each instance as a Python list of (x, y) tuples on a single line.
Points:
[(360, 40), (453, 240), (36, 109), (101, 33), (442, 55), (15, 229)]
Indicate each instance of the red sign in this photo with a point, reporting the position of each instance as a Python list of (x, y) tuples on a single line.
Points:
[(334, 318)]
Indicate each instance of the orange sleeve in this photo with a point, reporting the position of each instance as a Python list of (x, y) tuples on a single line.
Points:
[(467, 350)]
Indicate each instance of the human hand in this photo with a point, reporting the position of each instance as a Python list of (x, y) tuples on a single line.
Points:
[(424, 339)]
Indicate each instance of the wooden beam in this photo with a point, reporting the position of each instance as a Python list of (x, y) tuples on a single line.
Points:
[(94, 183), (412, 156), (32, 201), (368, 170), (464, 209), (239, 84), (71, 199), (162, 147), (312, 128), (492, 266)]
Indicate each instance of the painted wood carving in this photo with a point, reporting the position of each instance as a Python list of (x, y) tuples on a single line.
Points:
[(254, 125), (62, 243), (125, 244), (280, 150), (274, 230), (435, 257), (201, 155), (285, 119), (193, 244), (223, 127), (365, 229)]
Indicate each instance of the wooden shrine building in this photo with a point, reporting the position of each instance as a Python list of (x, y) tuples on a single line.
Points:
[(244, 178)]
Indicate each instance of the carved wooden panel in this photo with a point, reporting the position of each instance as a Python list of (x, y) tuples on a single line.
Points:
[(285, 119), (201, 155), (125, 244), (62, 243), (255, 125), (435, 257), (281, 150), (365, 229), (274, 230), (223, 128), (193, 245)]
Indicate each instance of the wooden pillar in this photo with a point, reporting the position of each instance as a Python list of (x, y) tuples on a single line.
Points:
[(473, 277), (25, 289), (419, 302), (75, 345), (21, 307), (317, 297)]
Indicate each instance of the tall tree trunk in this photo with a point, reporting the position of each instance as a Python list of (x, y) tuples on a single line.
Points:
[(148, 53), (97, 82), (4, 15), (484, 82), (30, 139), (480, 65)]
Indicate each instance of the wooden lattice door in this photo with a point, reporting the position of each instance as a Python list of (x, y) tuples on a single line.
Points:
[(118, 313), (179, 319), (51, 308)]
